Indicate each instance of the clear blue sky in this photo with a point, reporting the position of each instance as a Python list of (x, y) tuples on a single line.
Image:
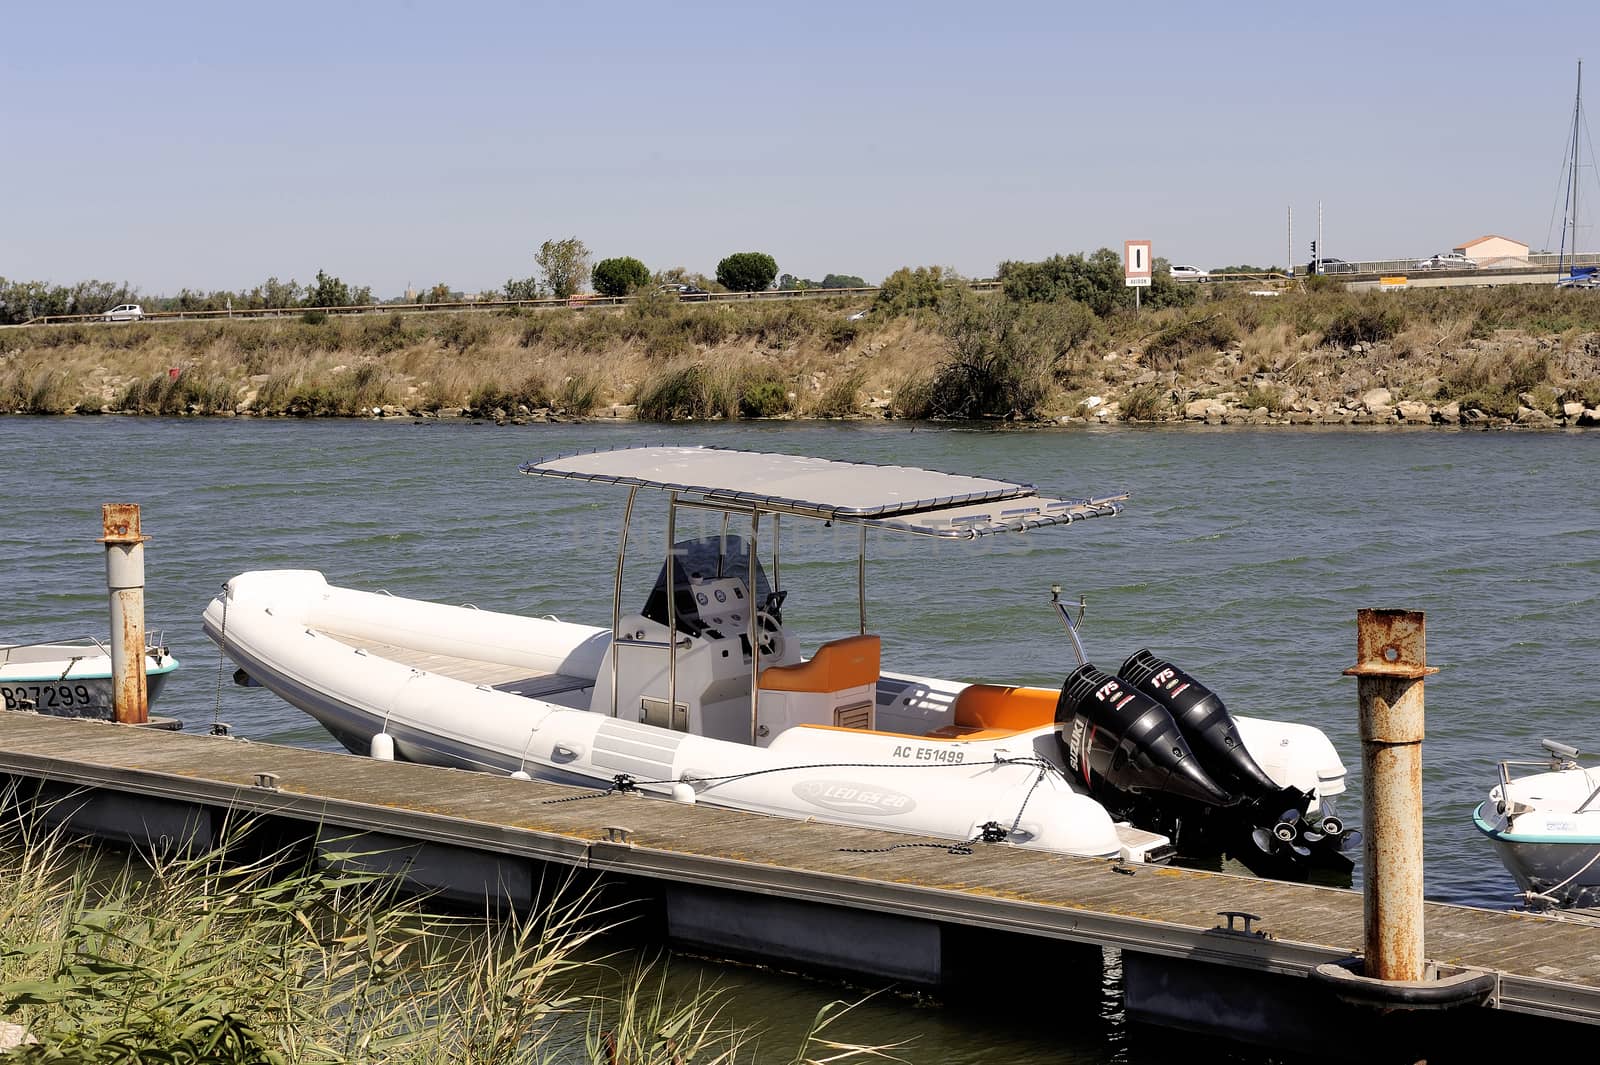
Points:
[(213, 145)]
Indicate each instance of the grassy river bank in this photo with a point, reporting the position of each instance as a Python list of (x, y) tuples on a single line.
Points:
[(1520, 355), (260, 956)]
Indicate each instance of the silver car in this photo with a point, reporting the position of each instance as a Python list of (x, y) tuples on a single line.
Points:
[(127, 312), (1446, 260)]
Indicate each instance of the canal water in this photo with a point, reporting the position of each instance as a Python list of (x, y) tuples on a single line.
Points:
[(1243, 556)]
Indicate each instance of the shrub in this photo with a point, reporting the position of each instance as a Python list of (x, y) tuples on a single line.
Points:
[(709, 327), (314, 317), (384, 334), (1147, 403), (38, 390), (909, 289), (747, 271), (578, 395), (842, 398), (686, 391), (532, 393), (913, 398), (763, 397), (1003, 359), (1095, 280), (1187, 336), (461, 331), (1372, 319), (841, 333), (1498, 404), (1267, 396), (619, 276)]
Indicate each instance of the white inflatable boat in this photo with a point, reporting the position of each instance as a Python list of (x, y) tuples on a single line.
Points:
[(704, 694)]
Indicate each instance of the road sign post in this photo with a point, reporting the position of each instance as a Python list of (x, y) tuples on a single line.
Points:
[(1136, 266)]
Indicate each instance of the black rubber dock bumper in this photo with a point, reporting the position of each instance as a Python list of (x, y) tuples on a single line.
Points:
[(1445, 987)]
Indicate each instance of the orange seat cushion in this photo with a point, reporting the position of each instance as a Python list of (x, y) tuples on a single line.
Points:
[(837, 665), (997, 706)]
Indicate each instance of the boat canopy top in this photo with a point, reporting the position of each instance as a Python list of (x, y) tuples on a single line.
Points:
[(898, 498)]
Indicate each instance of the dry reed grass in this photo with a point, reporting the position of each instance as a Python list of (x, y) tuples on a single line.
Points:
[(750, 357)]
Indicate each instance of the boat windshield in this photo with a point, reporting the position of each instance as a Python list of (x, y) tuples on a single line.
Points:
[(705, 558)]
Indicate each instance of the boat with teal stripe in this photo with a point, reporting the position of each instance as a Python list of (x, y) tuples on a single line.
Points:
[(72, 678), (1546, 828)]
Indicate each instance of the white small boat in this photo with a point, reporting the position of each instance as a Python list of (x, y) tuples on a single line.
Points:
[(1546, 828), (71, 679), (704, 694)]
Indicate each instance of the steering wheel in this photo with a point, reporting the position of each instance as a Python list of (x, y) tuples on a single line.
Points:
[(769, 634), (774, 604)]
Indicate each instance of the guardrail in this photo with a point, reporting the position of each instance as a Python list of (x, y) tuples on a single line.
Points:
[(578, 302), (1536, 261)]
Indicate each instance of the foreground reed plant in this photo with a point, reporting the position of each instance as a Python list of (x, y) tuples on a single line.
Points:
[(236, 955)]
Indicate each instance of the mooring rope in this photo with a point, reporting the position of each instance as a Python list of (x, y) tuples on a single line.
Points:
[(988, 832)]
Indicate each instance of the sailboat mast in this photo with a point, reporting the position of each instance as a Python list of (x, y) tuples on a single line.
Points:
[(1577, 117)]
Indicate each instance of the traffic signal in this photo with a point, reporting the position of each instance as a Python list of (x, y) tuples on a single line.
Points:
[(1313, 249)]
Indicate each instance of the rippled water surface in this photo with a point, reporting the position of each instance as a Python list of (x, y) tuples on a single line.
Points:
[(1243, 556)]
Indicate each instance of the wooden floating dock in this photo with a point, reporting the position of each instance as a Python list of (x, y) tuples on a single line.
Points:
[(741, 880)]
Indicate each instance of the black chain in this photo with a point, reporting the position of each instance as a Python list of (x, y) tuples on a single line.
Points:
[(988, 832), (622, 783)]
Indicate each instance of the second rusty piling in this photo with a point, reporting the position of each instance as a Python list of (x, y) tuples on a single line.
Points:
[(1391, 662), (125, 588)]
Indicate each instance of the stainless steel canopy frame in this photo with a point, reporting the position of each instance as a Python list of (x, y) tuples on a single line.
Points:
[(902, 499)]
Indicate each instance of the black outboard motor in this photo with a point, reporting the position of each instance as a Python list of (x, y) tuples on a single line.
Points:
[(1204, 719), (1274, 817), (1120, 740)]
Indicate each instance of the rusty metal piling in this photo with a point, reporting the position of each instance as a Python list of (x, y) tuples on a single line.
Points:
[(125, 588), (1391, 662)]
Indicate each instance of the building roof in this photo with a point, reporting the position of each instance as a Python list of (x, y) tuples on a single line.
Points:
[(902, 498), (1493, 236)]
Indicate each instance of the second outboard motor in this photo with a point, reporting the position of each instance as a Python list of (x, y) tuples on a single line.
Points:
[(1204, 719), (1116, 737)]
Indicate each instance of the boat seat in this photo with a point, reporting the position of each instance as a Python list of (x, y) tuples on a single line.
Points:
[(837, 665), (1004, 707), (836, 686)]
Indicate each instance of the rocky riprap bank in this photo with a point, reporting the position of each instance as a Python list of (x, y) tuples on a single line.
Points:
[(1222, 394)]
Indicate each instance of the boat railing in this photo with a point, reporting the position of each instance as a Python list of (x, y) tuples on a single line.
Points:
[(156, 642), (67, 641), (1562, 758)]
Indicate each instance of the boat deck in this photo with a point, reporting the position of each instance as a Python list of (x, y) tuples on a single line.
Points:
[(1548, 968), (518, 680)]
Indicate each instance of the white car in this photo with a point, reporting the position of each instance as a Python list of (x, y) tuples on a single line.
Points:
[(1190, 273), (127, 312), (1446, 260)]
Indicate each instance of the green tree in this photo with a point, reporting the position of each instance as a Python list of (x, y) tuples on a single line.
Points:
[(565, 265), (1095, 280), (274, 293), (747, 271), (842, 281), (526, 288), (328, 291), (909, 289), (790, 283), (619, 276)]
